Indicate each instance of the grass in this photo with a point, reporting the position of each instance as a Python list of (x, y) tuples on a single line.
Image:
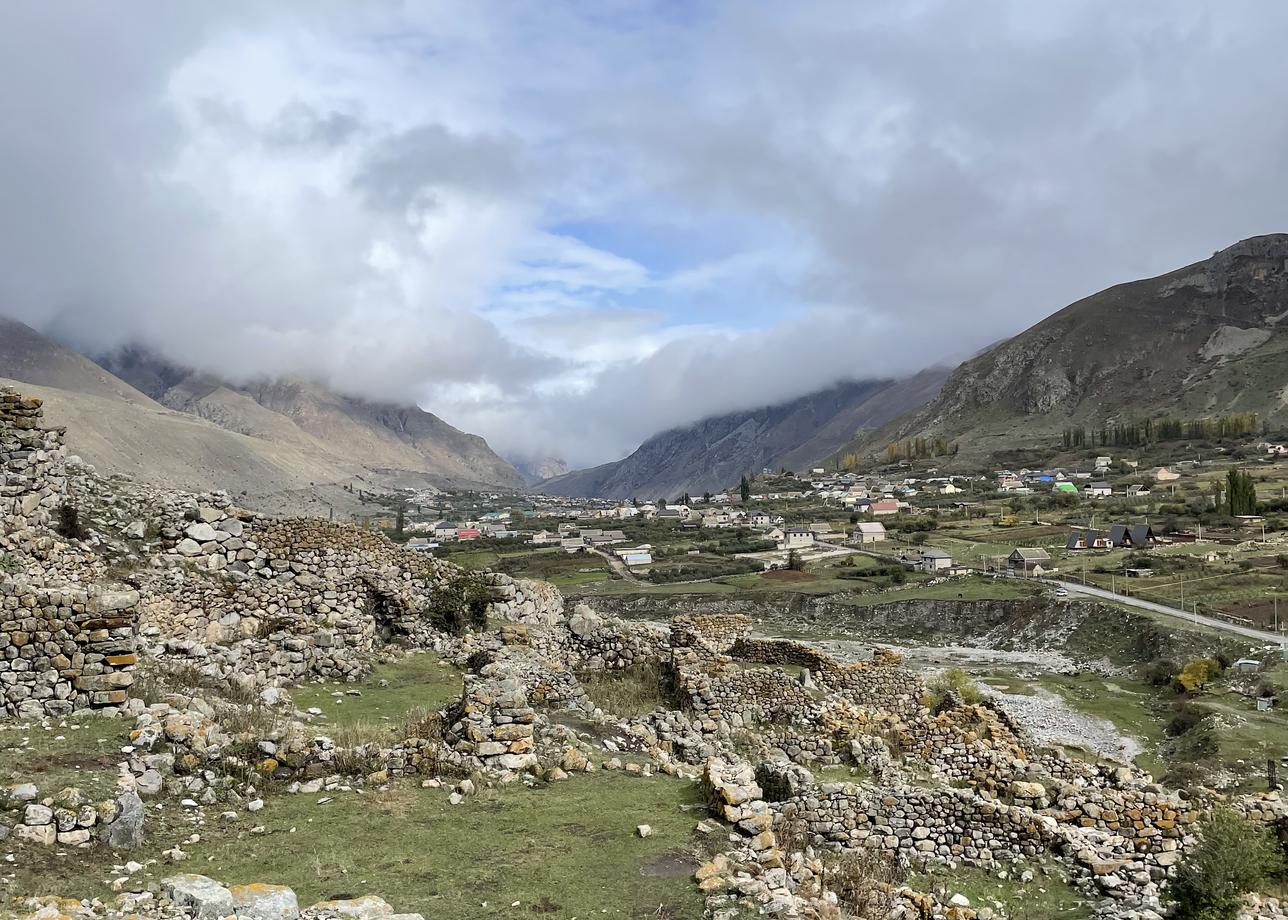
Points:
[(1047, 897), (565, 850), (955, 589), (418, 680), (635, 691), (81, 752)]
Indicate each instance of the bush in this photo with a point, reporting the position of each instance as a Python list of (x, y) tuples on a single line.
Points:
[(1186, 719), (957, 681), (864, 881), (1197, 673), (1233, 857), (1160, 672), (459, 605)]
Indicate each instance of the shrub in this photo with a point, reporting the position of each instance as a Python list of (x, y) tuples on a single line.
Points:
[(1160, 672), (9, 565), (1186, 719), (864, 881), (957, 681), (1233, 857), (1197, 673), (459, 605)]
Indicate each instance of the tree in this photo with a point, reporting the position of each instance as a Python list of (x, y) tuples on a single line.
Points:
[(1233, 857), (744, 489), (794, 563), (1240, 493), (400, 521)]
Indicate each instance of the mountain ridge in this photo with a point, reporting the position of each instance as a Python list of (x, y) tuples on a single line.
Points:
[(713, 453), (1202, 339)]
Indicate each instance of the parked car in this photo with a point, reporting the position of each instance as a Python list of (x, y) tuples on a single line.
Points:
[(1061, 592)]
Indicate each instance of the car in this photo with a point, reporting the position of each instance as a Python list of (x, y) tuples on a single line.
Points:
[(1061, 592)]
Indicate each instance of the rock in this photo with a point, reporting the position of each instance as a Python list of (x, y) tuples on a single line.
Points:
[(206, 898), (575, 761), (959, 900), (644, 830), (148, 783), (368, 907), (37, 815), (201, 532), (258, 901), (126, 831), (186, 547), (135, 530), (44, 835), (23, 792)]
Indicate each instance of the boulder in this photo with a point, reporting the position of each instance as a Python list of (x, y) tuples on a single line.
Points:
[(258, 901), (367, 907), (201, 532), (126, 831), (203, 897)]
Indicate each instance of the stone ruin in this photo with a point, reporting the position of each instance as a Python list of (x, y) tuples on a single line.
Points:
[(267, 604), (65, 643)]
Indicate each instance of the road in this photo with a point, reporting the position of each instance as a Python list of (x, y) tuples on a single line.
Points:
[(1260, 634), (615, 563)]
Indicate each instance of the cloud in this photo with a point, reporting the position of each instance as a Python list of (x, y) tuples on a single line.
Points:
[(567, 227)]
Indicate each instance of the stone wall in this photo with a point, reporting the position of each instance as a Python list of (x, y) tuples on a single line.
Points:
[(31, 467), (64, 649)]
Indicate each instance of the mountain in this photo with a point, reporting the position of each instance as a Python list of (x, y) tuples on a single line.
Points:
[(302, 464), (713, 453), (1202, 340), (539, 468), (381, 436)]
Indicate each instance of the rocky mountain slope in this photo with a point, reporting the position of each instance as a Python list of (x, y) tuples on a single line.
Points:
[(1202, 340), (214, 437), (712, 454)]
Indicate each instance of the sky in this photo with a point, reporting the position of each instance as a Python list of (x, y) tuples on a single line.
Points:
[(569, 225)]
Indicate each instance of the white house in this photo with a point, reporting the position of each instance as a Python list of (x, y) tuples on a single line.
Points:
[(935, 560), (797, 537), (1098, 490), (869, 532)]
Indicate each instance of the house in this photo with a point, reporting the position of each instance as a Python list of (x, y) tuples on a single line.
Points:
[(759, 519), (1087, 538), (796, 537), (468, 533), (636, 555), (821, 531), (544, 538), (1065, 488), (776, 534), (607, 537), (572, 544), (1163, 474), (421, 544), (1031, 560), (1099, 490), (949, 489), (935, 560), (1136, 490), (1246, 665), (1134, 536), (672, 514), (883, 507), (869, 532)]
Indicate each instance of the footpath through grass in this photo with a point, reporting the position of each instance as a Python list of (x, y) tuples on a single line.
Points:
[(566, 850)]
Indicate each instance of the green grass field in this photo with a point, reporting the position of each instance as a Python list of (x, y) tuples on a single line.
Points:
[(418, 680), (566, 850), (82, 752)]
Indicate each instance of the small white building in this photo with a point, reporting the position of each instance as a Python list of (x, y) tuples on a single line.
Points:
[(869, 532), (796, 537), (935, 560)]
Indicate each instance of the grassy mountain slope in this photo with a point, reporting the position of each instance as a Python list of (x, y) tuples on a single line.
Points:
[(1205, 339), (381, 437), (712, 454)]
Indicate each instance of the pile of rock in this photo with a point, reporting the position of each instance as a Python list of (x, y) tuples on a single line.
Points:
[(494, 725), (69, 819)]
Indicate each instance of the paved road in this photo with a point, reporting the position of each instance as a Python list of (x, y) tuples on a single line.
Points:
[(1251, 633)]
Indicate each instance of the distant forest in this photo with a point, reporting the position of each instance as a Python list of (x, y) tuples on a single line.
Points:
[(1150, 431)]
